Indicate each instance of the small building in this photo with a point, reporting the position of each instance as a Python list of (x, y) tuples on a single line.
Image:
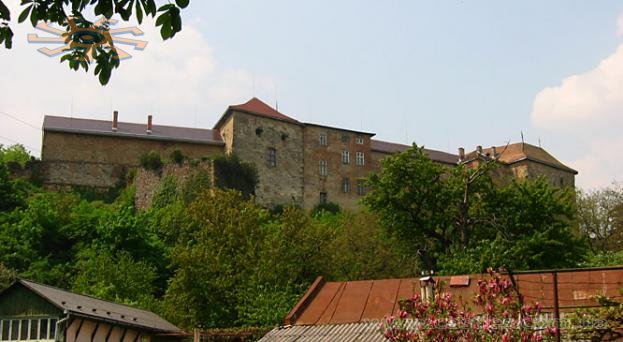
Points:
[(34, 312)]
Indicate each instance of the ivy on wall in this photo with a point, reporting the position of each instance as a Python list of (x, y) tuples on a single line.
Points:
[(232, 173)]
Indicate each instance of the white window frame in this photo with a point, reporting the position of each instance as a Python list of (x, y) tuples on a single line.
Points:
[(322, 139), (323, 168), (345, 157), (361, 187), (6, 324), (360, 158), (359, 141), (345, 185)]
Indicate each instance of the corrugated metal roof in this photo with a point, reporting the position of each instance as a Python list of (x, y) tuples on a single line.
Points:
[(364, 331), (131, 130), (389, 147), (100, 309)]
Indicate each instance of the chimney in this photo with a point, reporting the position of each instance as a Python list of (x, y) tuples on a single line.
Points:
[(461, 154), (115, 117), (494, 153), (479, 149), (149, 124)]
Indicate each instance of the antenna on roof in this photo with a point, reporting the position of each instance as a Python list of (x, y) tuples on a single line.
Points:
[(539, 141), (276, 99), (253, 84), (521, 137)]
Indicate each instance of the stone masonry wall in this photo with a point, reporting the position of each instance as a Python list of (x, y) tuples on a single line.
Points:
[(253, 136), (115, 150), (331, 183), (147, 182)]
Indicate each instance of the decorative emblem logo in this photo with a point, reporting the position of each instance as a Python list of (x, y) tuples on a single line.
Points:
[(88, 38)]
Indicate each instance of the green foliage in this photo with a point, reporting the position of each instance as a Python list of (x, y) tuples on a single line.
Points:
[(596, 324), (7, 276), (12, 192), (177, 157), (329, 207), (457, 221), (15, 153), (198, 181), (151, 161), (166, 194), (600, 217), (603, 258), (129, 281), (232, 173), (105, 55)]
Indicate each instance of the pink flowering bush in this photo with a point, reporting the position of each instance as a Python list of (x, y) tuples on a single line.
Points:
[(503, 317)]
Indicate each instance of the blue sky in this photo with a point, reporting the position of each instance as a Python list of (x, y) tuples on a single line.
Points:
[(442, 73)]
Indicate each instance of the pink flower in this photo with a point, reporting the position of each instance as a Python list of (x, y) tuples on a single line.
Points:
[(403, 314)]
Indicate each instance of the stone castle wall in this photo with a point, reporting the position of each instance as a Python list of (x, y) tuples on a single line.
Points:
[(253, 136), (337, 171), (147, 182), (115, 150)]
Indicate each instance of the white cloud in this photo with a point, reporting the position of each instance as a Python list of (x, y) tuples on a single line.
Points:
[(180, 82), (586, 112), (620, 25)]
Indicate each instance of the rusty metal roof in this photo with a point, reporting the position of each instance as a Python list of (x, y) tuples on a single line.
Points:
[(98, 309), (389, 147), (131, 130)]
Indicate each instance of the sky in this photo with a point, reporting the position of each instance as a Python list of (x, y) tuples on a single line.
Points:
[(443, 74)]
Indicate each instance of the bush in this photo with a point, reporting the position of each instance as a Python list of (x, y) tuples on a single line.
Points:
[(177, 157), (151, 160), (330, 207), (232, 173)]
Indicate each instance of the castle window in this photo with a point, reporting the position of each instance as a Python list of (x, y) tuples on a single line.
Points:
[(345, 185), (361, 187), (322, 139), (345, 157), (359, 141), (345, 138), (323, 197), (360, 158), (271, 157), (322, 165)]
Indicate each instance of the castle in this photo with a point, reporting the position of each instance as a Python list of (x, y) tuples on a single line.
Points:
[(298, 163)]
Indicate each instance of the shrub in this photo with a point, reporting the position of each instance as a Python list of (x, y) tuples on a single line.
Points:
[(330, 207), (151, 160), (232, 173), (177, 157)]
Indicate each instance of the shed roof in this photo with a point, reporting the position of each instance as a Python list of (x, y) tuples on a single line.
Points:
[(131, 130), (389, 147), (98, 309), (514, 153)]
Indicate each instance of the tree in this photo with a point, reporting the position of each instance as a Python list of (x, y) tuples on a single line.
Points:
[(458, 220), (600, 216), (98, 47), (15, 153)]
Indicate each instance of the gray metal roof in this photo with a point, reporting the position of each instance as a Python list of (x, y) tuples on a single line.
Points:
[(369, 331), (389, 147), (98, 309), (131, 130)]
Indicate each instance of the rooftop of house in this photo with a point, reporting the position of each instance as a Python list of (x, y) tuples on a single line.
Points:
[(353, 309), (131, 130), (514, 153), (98, 309), (255, 106)]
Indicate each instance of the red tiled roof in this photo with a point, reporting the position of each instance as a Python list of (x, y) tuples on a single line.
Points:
[(372, 300), (257, 107), (517, 152), (389, 147)]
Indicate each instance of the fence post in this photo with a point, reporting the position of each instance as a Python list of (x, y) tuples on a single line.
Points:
[(556, 306), (196, 335)]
